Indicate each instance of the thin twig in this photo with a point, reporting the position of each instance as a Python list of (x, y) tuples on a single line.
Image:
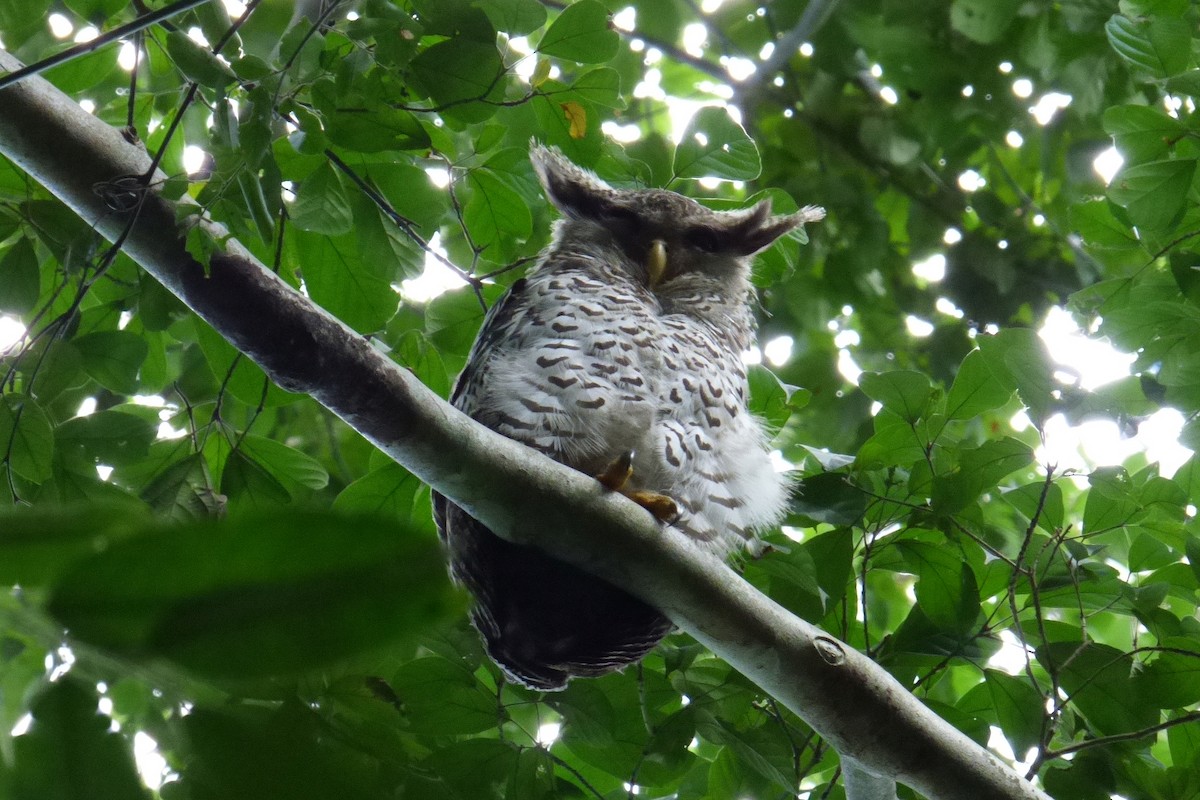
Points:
[(141, 23)]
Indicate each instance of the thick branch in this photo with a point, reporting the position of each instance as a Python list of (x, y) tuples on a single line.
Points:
[(848, 699)]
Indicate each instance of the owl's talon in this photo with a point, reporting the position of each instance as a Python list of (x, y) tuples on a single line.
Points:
[(662, 507), (617, 474)]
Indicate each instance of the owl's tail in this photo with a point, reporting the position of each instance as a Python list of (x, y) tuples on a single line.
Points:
[(544, 621)]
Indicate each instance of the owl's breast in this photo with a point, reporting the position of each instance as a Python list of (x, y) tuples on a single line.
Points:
[(586, 370), (575, 374), (709, 443)]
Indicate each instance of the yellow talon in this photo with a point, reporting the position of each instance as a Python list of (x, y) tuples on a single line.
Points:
[(617, 474)]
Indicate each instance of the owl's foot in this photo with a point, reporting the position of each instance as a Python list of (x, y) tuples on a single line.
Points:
[(618, 473)]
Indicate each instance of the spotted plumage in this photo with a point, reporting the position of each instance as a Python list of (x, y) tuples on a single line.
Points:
[(627, 336)]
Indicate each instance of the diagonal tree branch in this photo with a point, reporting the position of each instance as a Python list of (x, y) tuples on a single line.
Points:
[(871, 720)]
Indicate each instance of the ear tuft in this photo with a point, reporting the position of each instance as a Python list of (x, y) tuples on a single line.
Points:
[(575, 192), (757, 229)]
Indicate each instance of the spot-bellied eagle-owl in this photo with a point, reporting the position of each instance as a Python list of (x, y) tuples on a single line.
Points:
[(618, 354)]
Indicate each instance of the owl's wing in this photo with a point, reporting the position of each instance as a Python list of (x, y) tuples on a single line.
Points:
[(501, 318), (497, 323)]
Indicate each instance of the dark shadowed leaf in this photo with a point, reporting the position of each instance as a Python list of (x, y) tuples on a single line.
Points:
[(321, 205), (27, 437), (70, 751), (19, 278), (262, 595), (1100, 682), (946, 587), (113, 358), (829, 497), (106, 437)]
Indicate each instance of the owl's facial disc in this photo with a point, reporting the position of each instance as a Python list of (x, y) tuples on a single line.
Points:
[(656, 262)]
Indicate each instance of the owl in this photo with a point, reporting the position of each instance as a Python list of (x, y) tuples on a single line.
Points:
[(620, 355)]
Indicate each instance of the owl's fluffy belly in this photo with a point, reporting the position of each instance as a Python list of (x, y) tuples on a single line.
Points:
[(585, 401)]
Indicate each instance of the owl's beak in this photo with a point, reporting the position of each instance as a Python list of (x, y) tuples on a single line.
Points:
[(656, 262)]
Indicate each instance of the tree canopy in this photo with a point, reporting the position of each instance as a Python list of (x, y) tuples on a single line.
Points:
[(219, 573)]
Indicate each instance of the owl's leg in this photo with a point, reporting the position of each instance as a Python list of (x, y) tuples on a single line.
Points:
[(618, 473)]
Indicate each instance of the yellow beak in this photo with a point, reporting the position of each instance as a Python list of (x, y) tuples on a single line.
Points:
[(656, 262)]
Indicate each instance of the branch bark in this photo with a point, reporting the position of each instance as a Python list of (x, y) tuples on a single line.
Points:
[(852, 702)]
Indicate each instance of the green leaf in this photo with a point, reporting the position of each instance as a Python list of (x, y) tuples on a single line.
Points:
[(1172, 679), (182, 490), (38, 544), (19, 18), (358, 292), (381, 240), (82, 73), (293, 469), (247, 483), (453, 318), (514, 17), (1018, 357), (829, 497), (20, 278), (70, 751), (277, 751), (494, 211), (415, 352), (106, 437), (1094, 221), (459, 75), (1019, 708), (1161, 45), (581, 33), (946, 587), (113, 358), (26, 437), (748, 749), (1038, 499), (713, 145), (1185, 83), (905, 392), (771, 399), (1154, 193), (979, 470), (983, 21), (601, 86), (198, 63), (976, 388), (1099, 680), (442, 698), (1141, 133), (381, 131), (474, 768), (389, 491), (321, 205), (894, 443), (1109, 504), (263, 595)]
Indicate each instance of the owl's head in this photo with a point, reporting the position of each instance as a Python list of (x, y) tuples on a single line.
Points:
[(661, 235)]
